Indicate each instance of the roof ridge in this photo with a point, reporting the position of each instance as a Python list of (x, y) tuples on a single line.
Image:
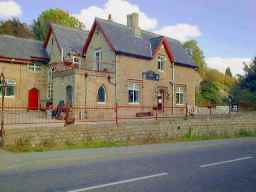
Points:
[(20, 38), (69, 28), (143, 30)]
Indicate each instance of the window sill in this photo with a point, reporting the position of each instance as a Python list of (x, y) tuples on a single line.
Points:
[(180, 105), (101, 103), (134, 103), (8, 97)]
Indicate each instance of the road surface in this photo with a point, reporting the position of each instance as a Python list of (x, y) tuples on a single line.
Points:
[(207, 166)]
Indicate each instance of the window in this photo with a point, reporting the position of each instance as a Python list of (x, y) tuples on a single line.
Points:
[(50, 84), (98, 58), (34, 67), (133, 94), (161, 62), (9, 89), (180, 95), (101, 98), (76, 60)]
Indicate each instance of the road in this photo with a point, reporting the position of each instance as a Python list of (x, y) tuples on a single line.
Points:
[(207, 166)]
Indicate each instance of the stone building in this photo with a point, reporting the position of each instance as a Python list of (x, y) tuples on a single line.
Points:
[(112, 64)]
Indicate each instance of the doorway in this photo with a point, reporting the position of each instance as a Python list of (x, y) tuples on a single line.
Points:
[(69, 94), (160, 100), (33, 99)]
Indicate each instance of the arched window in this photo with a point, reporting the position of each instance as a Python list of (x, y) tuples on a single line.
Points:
[(101, 98)]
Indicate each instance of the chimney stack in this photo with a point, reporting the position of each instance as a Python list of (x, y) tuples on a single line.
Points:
[(133, 23)]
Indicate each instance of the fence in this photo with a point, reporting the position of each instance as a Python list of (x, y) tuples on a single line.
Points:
[(15, 116), (22, 116)]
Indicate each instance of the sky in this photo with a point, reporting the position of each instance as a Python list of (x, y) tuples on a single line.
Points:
[(225, 29)]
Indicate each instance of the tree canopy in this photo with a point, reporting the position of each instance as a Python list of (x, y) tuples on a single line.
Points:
[(16, 28), (245, 91), (197, 55), (215, 86), (58, 16)]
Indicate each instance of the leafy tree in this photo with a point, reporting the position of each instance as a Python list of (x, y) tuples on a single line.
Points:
[(16, 28), (197, 55), (58, 16), (245, 91), (209, 94)]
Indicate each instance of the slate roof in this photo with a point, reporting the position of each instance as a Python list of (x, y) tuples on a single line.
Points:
[(71, 40), (124, 41), (20, 48)]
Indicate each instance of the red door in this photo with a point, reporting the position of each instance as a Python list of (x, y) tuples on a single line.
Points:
[(33, 97)]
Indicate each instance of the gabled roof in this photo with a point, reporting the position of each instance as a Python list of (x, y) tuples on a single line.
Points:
[(68, 39), (19, 48), (123, 41)]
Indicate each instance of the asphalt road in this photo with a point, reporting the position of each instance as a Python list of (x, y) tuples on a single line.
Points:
[(210, 166)]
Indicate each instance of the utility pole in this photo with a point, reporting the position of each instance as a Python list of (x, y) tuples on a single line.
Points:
[(3, 87)]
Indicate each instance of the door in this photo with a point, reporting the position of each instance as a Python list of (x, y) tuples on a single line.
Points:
[(69, 94), (33, 99), (160, 100)]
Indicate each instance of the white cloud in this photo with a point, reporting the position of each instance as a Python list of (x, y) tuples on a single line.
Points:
[(118, 9), (9, 9), (182, 32), (236, 64)]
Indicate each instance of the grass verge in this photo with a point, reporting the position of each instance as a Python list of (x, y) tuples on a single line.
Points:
[(24, 144)]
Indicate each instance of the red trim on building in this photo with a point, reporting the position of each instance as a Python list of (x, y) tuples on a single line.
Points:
[(15, 60), (168, 49), (50, 31), (89, 38), (21, 60), (39, 58), (90, 35), (48, 36)]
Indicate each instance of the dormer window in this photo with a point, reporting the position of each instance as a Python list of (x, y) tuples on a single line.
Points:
[(76, 60)]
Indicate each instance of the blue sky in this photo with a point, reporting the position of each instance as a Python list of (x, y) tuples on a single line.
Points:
[(225, 29)]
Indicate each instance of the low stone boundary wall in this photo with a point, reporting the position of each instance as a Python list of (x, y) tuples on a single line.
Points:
[(140, 130)]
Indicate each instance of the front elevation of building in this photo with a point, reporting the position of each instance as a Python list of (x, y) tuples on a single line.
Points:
[(112, 64)]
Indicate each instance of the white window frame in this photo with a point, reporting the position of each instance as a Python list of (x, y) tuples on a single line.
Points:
[(180, 90), (35, 67), (161, 60), (134, 87), (76, 62), (9, 83), (98, 59)]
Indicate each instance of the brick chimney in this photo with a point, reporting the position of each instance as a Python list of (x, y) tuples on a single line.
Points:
[(133, 23)]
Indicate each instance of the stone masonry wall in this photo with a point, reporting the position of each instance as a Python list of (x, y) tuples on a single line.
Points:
[(138, 131)]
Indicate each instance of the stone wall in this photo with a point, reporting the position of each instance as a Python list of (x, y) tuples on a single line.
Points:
[(138, 131)]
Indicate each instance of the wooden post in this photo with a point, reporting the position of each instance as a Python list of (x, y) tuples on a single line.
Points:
[(186, 110), (116, 111), (2, 132)]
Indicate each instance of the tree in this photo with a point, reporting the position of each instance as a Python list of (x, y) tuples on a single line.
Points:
[(245, 91), (58, 16), (16, 28), (228, 72), (209, 94), (197, 55)]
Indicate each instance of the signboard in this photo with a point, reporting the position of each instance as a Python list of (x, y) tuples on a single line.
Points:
[(151, 75)]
